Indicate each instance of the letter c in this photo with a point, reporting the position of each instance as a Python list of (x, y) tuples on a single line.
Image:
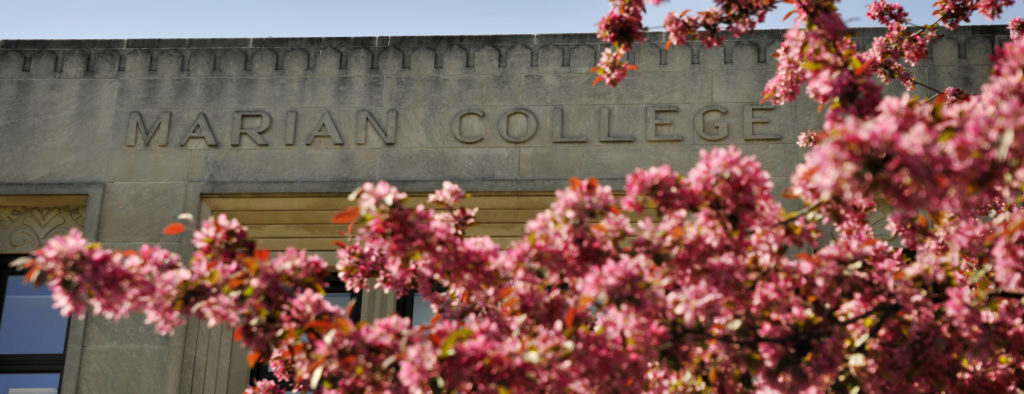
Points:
[(457, 126)]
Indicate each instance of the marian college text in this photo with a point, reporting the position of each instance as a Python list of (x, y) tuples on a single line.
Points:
[(515, 125)]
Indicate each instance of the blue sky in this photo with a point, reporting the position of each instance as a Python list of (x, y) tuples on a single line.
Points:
[(317, 18)]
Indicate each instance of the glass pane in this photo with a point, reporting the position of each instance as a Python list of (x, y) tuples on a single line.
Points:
[(339, 299), (29, 324), (29, 383), (421, 312)]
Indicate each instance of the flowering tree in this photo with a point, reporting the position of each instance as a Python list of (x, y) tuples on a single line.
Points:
[(722, 289)]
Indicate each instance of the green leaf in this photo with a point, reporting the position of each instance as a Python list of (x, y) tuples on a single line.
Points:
[(812, 66)]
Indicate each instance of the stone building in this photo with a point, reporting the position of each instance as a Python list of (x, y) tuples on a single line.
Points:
[(118, 137)]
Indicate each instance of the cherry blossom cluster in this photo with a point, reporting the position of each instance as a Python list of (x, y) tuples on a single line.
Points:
[(817, 51), (686, 282)]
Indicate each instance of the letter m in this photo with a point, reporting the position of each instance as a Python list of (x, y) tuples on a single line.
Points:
[(137, 126)]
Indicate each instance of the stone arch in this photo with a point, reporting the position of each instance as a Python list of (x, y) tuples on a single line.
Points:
[(485, 59), (263, 61), (75, 64), (43, 63), (583, 57), (296, 61), (745, 54), (550, 57), (679, 57), (945, 51), (424, 60), (391, 60), (201, 62), (358, 60), (648, 56), (169, 62), (137, 62), (455, 60), (327, 61), (979, 49), (11, 63), (105, 64), (711, 57), (233, 62), (520, 58)]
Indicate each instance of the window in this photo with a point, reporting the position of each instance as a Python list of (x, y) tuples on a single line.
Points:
[(415, 308), (33, 336)]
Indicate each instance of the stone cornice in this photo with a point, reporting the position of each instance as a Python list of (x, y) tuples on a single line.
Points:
[(141, 58)]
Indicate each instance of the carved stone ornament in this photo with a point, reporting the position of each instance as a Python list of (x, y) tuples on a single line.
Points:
[(26, 228)]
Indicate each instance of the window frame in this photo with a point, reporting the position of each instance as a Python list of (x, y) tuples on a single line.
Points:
[(29, 363)]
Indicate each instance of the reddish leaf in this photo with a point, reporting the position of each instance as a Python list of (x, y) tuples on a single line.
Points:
[(250, 264), (569, 318), (129, 252), (238, 334), (261, 254), (323, 325), (504, 292), (596, 80), (350, 225), (234, 283), (339, 244), (592, 182), (346, 216), (574, 182), (174, 228), (434, 320), (252, 358), (789, 14)]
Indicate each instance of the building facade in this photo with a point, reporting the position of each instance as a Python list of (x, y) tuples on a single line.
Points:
[(118, 137)]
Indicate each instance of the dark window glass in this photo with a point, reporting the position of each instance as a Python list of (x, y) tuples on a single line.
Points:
[(32, 335), (29, 324), (29, 383), (415, 308), (339, 299), (421, 312)]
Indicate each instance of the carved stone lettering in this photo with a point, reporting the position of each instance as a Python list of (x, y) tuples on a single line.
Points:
[(289, 132), (325, 128), (749, 120), (200, 128), (558, 128), (365, 119), (252, 124), (706, 119), (515, 125), (457, 126), (137, 126), (504, 130), (653, 121), (605, 126)]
